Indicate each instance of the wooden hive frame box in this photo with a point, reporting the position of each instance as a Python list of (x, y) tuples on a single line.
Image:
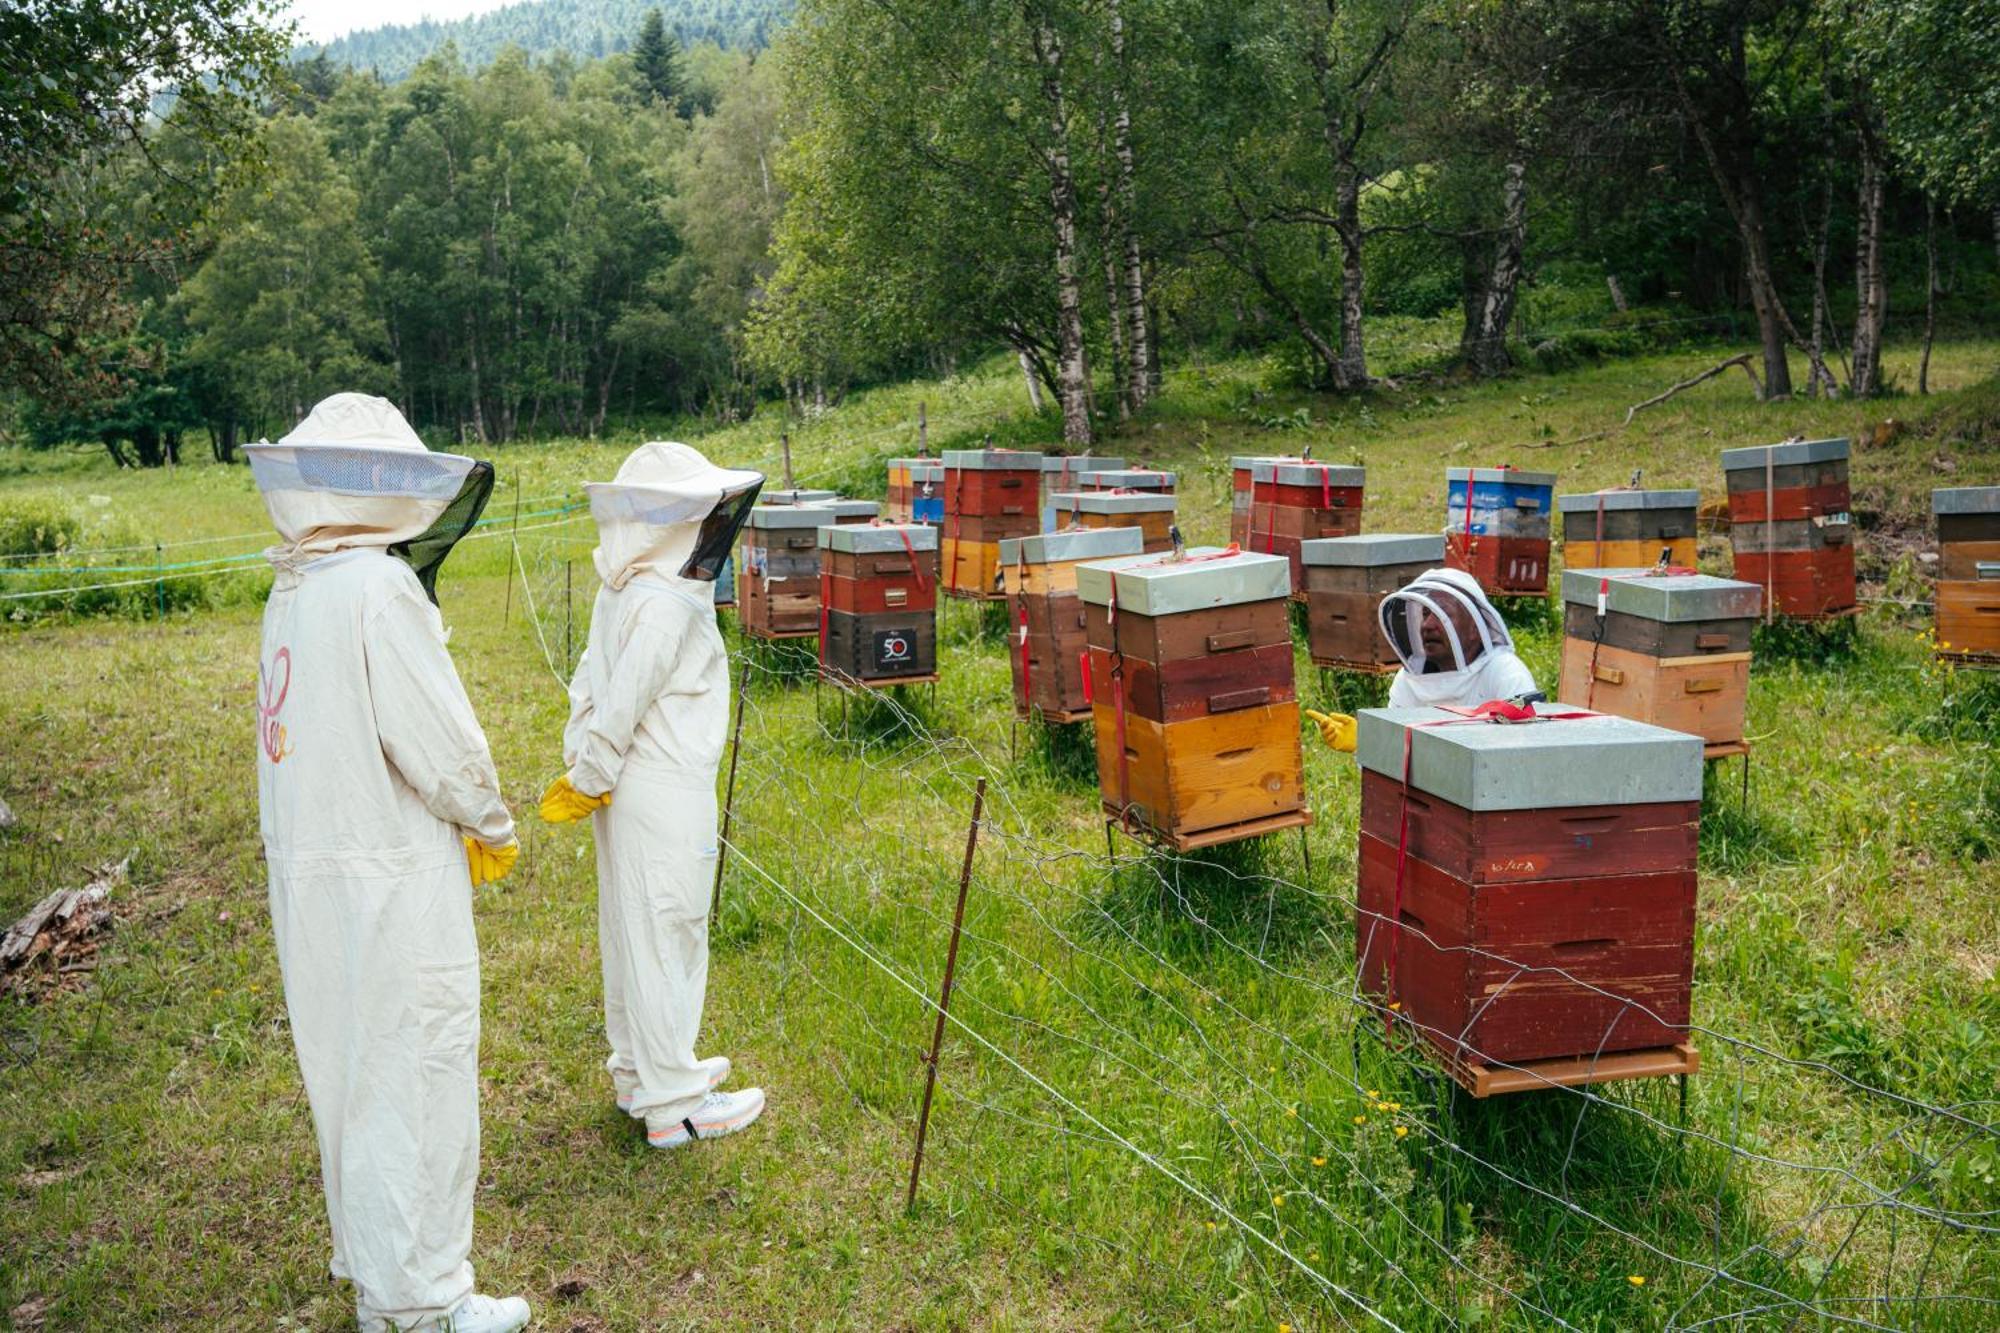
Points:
[(1968, 586), (778, 590), (879, 604), (1295, 501), (1622, 528), (1497, 527), (1065, 472), (989, 495), (1527, 898), (1346, 580), (1048, 642), (1670, 649), (1798, 545), (1152, 512), (1194, 707), (1127, 479)]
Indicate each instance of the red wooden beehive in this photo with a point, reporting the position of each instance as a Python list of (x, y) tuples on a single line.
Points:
[(878, 601), (1290, 501), (989, 495), (777, 579), (1789, 526), (1496, 527), (1047, 648), (1526, 893)]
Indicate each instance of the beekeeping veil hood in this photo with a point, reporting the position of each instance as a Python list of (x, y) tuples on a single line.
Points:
[(670, 511), (1472, 628), (353, 474)]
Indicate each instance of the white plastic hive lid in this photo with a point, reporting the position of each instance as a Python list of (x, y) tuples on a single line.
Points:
[(1966, 500), (1208, 577), (1591, 501), (992, 460), (1784, 455), (875, 538), (1375, 548), (1113, 502)]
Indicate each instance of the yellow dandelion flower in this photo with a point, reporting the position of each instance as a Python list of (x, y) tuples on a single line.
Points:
[(1372, 1094), (1637, 1280), (1402, 1131), (1396, 1007), (1277, 1201), (1291, 1110), (1284, 1328), (1211, 1226), (1319, 1161), (1361, 1120), (1395, 1106)]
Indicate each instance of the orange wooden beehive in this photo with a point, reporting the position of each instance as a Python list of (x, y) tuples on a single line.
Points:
[(1627, 528), (1152, 512), (1047, 648), (1968, 586), (989, 495)]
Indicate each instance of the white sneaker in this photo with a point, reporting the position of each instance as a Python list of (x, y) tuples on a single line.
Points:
[(626, 1081), (720, 1114), (485, 1314)]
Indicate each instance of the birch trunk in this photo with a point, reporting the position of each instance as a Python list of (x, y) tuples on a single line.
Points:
[(1490, 311), (1930, 293), (1871, 287), (1140, 351), (1072, 370), (1351, 371), (1034, 385)]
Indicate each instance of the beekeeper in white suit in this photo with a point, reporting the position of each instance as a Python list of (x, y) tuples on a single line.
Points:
[(380, 810), (1455, 650), (649, 715)]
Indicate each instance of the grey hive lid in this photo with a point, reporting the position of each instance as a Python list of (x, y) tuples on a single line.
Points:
[(1136, 478), (1502, 475), (1669, 597), (1112, 502), (1588, 502), (1595, 760), (1076, 465), (1375, 548), (1784, 455), (1076, 544), (992, 460), (1966, 500), (1245, 462), (1157, 585), (795, 497), (846, 508), (1288, 472), (768, 517), (876, 538)]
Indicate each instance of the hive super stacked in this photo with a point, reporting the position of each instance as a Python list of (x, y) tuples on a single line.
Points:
[(725, 581), (989, 495), (1968, 586), (879, 596), (1294, 502), (1628, 529), (1346, 580), (1528, 898), (778, 591), (1047, 647), (1151, 512), (1788, 526), (916, 491), (1669, 649), (1065, 472), (1497, 527), (1193, 703)]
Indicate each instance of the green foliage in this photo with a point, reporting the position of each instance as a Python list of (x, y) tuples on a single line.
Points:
[(1931, 63), (31, 528), (656, 59)]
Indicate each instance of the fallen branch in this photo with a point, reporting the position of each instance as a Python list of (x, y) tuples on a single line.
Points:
[(1709, 374), (61, 929)]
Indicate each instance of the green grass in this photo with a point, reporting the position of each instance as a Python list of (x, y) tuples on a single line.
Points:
[(156, 1158)]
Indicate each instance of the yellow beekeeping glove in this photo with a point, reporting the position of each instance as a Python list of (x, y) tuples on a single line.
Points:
[(562, 802), (490, 863), (1336, 729)]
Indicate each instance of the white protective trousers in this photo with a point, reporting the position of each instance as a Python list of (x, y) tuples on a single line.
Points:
[(649, 712), (370, 768)]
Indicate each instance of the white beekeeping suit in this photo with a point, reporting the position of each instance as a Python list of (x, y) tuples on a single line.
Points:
[(1455, 648), (649, 713), (374, 783)]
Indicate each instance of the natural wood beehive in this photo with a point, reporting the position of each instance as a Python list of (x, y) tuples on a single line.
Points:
[(1194, 706), (1294, 501), (1527, 890), (1065, 472), (1672, 649), (989, 495), (725, 579), (1968, 586), (879, 603), (1628, 529), (916, 491), (1047, 647), (1496, 527), (778, 592), (1152, 512), (1346, 580), (1789, 525)]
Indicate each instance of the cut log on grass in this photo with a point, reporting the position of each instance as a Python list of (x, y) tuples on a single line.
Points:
[(1709, 374), (58, 937)]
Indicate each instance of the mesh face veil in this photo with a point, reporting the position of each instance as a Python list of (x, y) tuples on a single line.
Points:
[(1442, 622), (669, 511)]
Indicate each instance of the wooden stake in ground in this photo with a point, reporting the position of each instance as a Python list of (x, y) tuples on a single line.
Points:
[(785, 442), (507, 612), (944, 996), (729, 798)]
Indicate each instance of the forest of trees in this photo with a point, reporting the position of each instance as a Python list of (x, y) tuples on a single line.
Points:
[(531, 246)]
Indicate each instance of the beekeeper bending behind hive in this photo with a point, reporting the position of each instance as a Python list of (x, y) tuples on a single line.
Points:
[(649, 714), (380, 810), (1455, 649)]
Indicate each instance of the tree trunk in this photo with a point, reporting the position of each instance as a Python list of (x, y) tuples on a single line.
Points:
[(1140, 351), (472, 352), (1034, 385), (1771, 318), (1351, 371), (1617, 293), (1120, 367), (1930, 293), (1871, 286), (1072, 369), (1820, 380), (1489, 312)]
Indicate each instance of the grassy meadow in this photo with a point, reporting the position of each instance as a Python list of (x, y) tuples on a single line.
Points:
[(1163, 1106)]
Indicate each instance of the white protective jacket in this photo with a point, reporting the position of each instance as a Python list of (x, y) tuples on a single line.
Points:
[(649, 717), (1483, 662), (370, 770)]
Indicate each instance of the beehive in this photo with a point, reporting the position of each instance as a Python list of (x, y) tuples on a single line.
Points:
[(1670, 649), (916, 491), (1527, 890), (1126, 479), (1065, 472), (1294, 502), (879, 597), (1627, 529), (1193, 703), (778, 593), (1242, 487), (1968, 586), (1152, 512), (725, 580), (1497, 527), (989, 495), (1346, 580), (1788, 525), (1047, 647)]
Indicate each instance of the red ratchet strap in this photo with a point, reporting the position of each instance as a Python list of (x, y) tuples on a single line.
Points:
[(825, 599), (1499, 711), (1027, 682), (1118, 702), (1083, 662), (1471, 475), (1770, 525), (923, 584), (1325, 487), (1598, 555)]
